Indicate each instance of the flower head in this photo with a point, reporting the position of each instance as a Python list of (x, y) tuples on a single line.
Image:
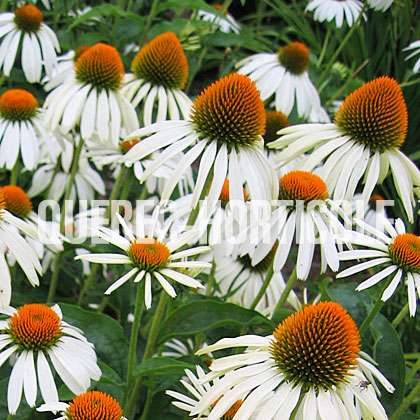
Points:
[(92, 97), (18, 105), (100, 66), (375, 115), (303, 186), (362, 144), (311, 364), (316, 347), (275, 121), (225, 126), (294, 57), (28, 18), (149, 257), (16, 201), (162, 62), (395, 251), (285, 76), (24, 29), (339, 11), (38, 336), (22, 129), (219, 116), (91, 405)]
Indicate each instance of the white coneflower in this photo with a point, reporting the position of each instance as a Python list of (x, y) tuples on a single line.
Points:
[(39, 43), (224, 24), (149, 257), (395, 251), (311, 363), (414, 47), (21, 129), (380, 5), (225, 128), (338, 10), (362, 144), (304, 211), (53, 176), (11, 240), (38, 336), (92, 97), (285, 76), (91, 405), (159, 73)]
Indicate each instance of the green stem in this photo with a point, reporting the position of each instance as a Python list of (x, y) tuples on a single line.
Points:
[(3, 6), (148, 353), (371, 316), (264, 286), (285, 294), (401, 315), (324, 47), (341, 46), (87, 284), (413, 82), (148, 403), (70, 183), (210, 280), (193, 74), (149, 21), (14, 174), (121, 5), (54, 278), (138, 310), (10, 416), (115, 191), (103, 304), (413, 397), (56, 16), (225, 6), (414, 369)]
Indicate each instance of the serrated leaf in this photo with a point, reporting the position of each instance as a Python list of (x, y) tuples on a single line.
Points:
[(204, 315)]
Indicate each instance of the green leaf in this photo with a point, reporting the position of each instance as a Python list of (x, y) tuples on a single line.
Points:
[(162, 366), (389, 355), (104, 332), (220, 39), (204, 315)]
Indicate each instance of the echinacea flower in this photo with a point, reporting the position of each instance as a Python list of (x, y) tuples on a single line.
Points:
[(39, 43), (53, 176), (64, 69), (285, 76), (362, 143), (329, 10), (395, 251), (225, 24), (113, 156), (159, 73), (21, 129), (92, 97), (91, 405), (19, 204), (225, 127), (240, 280), (37, 335), (415, 46), (198, 391), (149, 257), (380, 5), (312, 363), (304, 211), (11, 240)]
